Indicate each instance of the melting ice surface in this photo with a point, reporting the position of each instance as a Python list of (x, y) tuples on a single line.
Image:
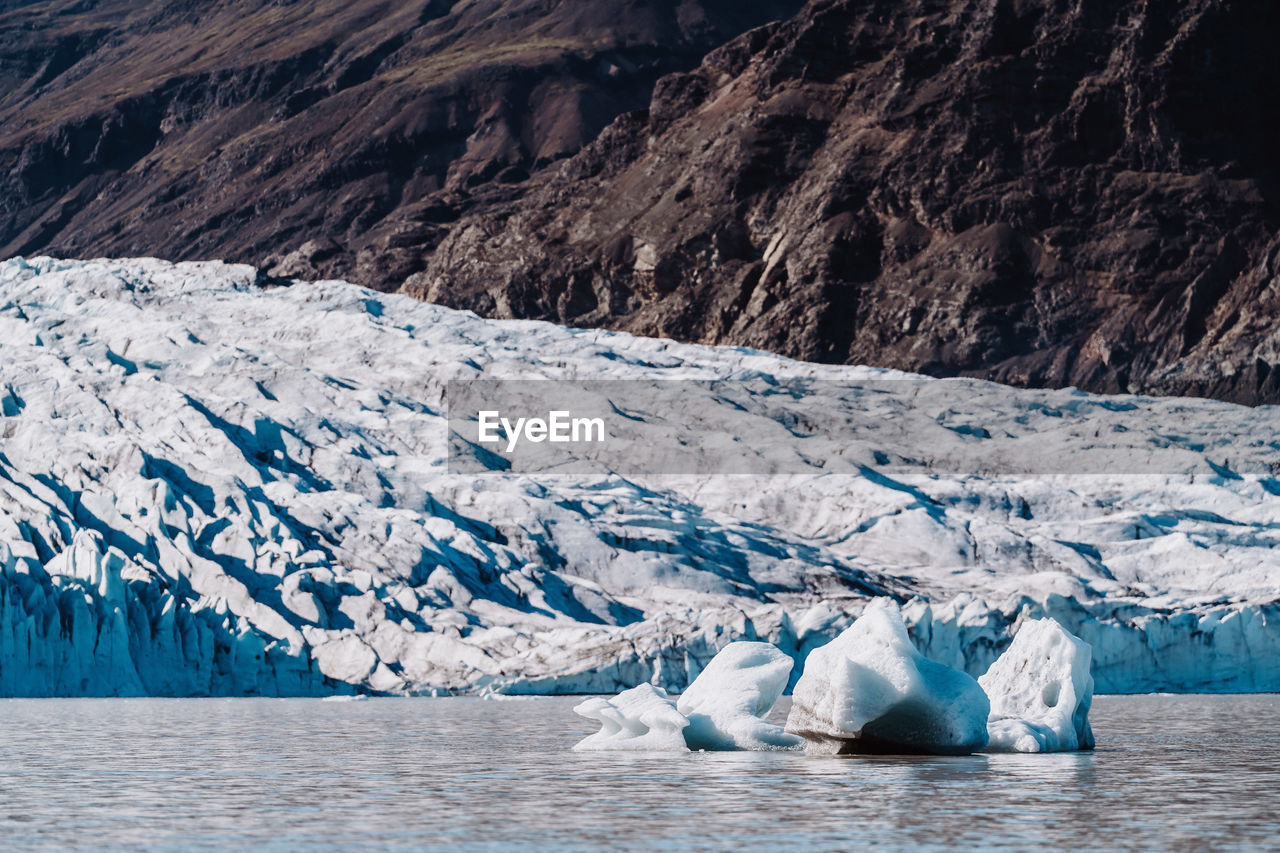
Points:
[(211, 488), (727, 704), (642, 719), (725, 708), (1040, 691), (870, 690)]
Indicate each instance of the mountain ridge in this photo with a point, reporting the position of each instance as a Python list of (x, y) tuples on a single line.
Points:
[(312, 139), (1043, 193), (1040, 192)]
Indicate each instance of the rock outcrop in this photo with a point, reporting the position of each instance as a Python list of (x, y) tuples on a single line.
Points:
[(1042, 192), (325, 139)]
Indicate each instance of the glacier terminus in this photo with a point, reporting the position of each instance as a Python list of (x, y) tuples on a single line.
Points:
[(212, 487)]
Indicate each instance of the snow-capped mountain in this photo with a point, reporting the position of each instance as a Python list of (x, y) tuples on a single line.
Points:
[(210, 487)]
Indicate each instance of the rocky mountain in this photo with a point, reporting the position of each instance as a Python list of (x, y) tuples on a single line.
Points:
[(315, 139), (1043, 192)]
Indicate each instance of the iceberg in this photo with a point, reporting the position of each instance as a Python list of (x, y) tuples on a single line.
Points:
[(642, 719), (869, 690), (727, 703), (1040, 691)]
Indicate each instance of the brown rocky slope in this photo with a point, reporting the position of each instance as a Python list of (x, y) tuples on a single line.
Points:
[(315, 138), (1044, 192)]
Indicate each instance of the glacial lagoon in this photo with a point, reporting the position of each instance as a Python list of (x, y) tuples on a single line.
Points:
[(476, 774)]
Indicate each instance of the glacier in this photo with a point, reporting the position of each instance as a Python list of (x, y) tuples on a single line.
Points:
[(211, 485)]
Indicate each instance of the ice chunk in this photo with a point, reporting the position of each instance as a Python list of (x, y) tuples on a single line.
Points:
[(728, 701), (1040, 691), (641, 719), (869, 690)]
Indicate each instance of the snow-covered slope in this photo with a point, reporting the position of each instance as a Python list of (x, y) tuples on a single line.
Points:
[(206, 487)]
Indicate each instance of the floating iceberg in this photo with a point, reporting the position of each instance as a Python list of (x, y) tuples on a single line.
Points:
[(728, 701), (642, 719), (1040, 691), (869, 690)]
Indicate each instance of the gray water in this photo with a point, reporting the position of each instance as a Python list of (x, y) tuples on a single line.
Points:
[(469, 774)]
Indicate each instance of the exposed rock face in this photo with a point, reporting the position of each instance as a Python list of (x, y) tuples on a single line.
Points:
[(316, 139), (1044, 192)]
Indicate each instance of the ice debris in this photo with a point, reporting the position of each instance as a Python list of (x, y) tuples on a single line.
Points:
[(724, 708), (869, 690), (1040, 691), (727, 703), (642, 719)]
